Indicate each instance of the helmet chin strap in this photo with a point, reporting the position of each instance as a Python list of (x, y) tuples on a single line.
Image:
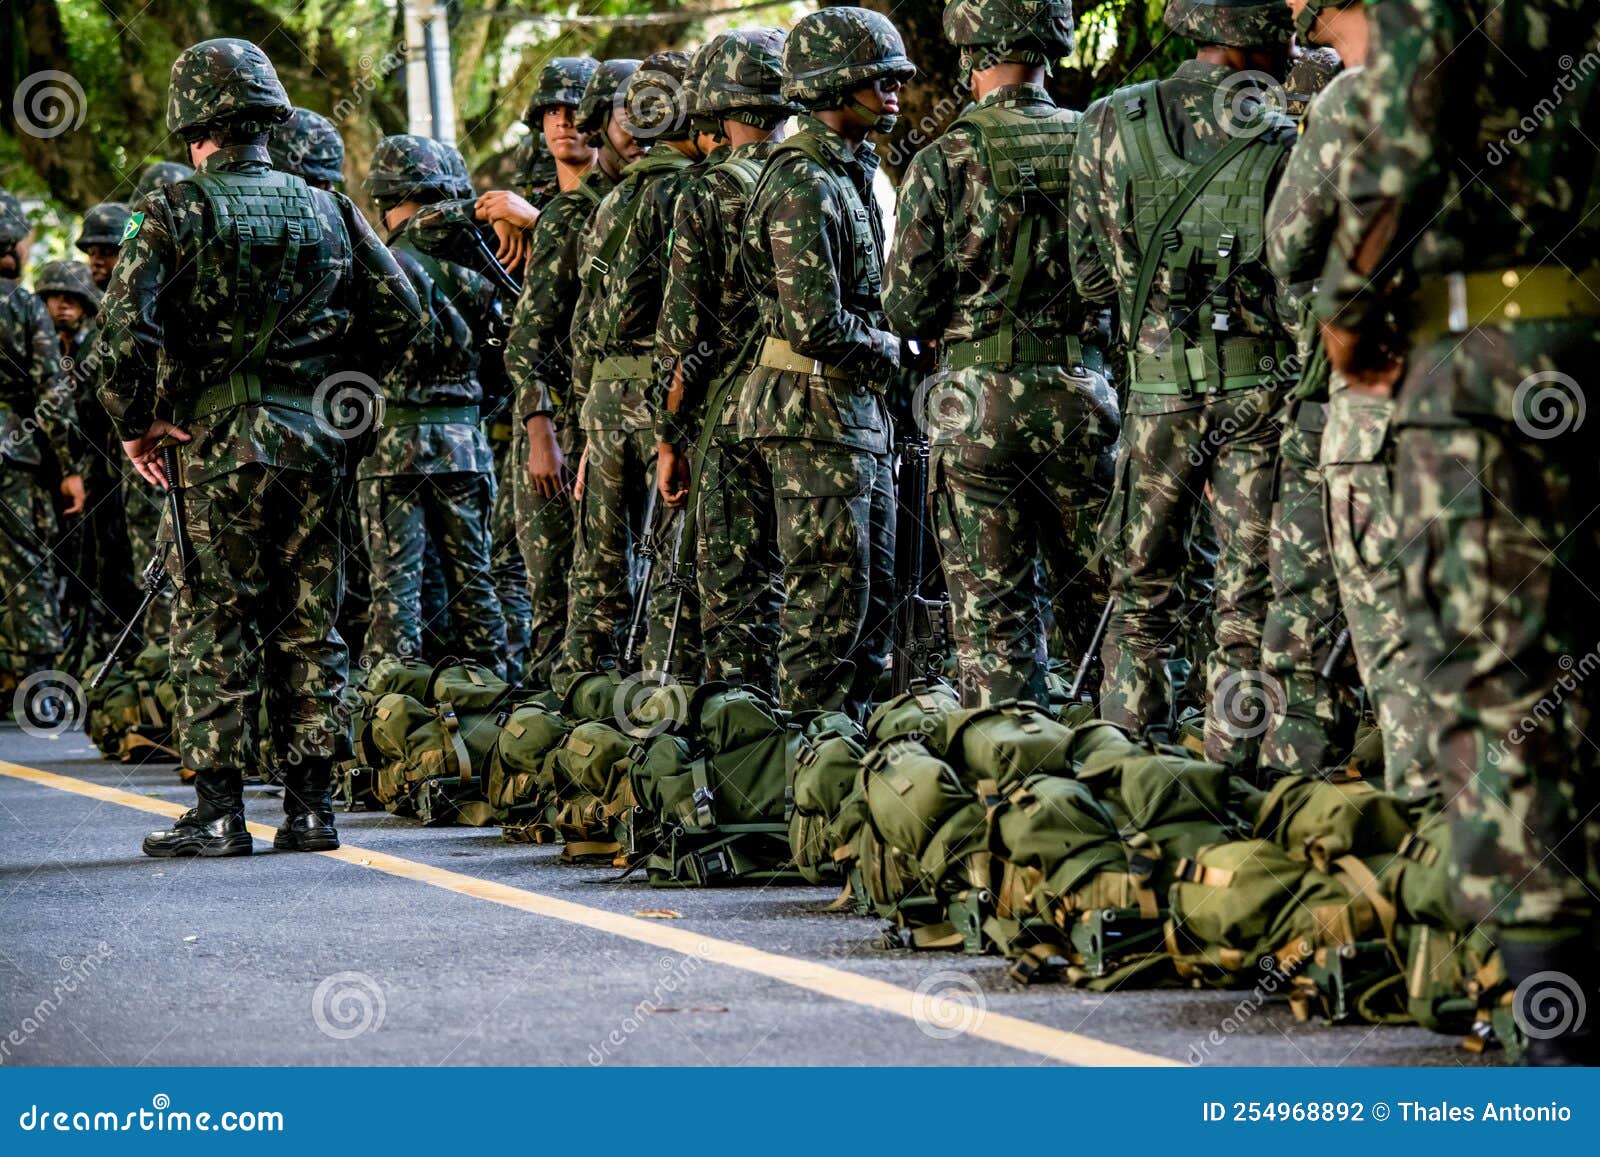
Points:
[(877, 122)]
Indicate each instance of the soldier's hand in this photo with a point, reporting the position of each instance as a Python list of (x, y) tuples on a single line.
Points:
[(503, 205), (546, 464), (583, 466), (513, 248), (1365, 365), (72, 490), (145, 451), (672, 476)]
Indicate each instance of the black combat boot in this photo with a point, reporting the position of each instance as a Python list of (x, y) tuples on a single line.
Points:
[(307, 808), (215, 827), (1556, 1001)]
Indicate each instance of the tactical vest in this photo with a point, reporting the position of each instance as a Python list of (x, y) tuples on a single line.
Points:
[(1028, 157), (271, 220), (861, 284), (444, 367), (1202, 224), (639, 175)]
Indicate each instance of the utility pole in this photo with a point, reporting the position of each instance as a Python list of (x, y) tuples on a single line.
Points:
[(430, 99)]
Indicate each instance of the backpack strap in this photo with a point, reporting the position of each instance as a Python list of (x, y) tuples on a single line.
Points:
[(744, 172)]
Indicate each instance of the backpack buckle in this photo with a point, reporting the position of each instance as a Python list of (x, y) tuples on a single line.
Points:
[(1027, 177), (1172, 240), (1225, 245), (1134, 107)]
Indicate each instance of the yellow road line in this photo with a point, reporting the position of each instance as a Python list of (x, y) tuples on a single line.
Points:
[(837, 983)]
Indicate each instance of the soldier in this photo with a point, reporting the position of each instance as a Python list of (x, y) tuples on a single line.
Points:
[(812, 415), (250, 374), (1169, 193), (37, 414), (158, 176), (622, 263), (430, 475), (706, 317), (1475, 191), (308, 145), (1023, 421), (539, 355), (100, 239)]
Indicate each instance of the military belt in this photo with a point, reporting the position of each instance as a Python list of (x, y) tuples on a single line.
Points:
[(777, 354), (996, 352), (1247, 362), (1459, 302), (501, 431), (403, 414), (623, 369), (243, 390)]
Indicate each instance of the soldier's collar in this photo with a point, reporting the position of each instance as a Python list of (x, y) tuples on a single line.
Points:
[(837, 147), (235, 157), (1202, 71), (1029, 92)]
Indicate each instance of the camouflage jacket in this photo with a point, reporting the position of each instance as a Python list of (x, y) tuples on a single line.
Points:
[(439, 368), (1305, 209), (1479, 159), (355, 317), (954, 236), (813, 285), (97, 447), (1106, 252), (35, 395), (538, 350), (705, 310)]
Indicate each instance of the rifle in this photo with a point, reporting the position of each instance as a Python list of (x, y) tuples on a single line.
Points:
[(1092, 650), (919, 620), (1341, 645), (639, 624), (681, 583), (155, 579)]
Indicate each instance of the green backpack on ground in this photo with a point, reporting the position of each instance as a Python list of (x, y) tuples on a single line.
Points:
[(917, 712), (1319, 819), (129, 716), (1004, 741), (586, 774), (516, 765), (823, 767)]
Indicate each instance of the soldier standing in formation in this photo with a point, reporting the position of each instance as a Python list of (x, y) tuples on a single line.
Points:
[(212, 258)]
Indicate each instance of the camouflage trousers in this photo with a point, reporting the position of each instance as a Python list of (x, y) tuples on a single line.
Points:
[(619, 476), (30, 622), (1019, 480), (146, 507), (1357, 465), (1174, 451), (833, 519), (545, 540), (401, 514), (255, 618), (510, 573), (741, 586), (1313, 720), (1496, 491)]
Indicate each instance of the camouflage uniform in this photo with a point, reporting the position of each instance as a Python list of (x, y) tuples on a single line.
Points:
[(1494, 223), (1023, 421), (622, 259), (431, 476), (34, 394), (812, 412), (706, 318), (539, 368), (261, 476), (1206, 380)]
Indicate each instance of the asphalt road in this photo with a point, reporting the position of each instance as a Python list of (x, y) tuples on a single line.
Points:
[(448, 947)]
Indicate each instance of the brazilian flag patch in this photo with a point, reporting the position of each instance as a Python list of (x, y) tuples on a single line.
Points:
[(131, 229)]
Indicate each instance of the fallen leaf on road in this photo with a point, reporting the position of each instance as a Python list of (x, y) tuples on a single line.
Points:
[(658, 914)]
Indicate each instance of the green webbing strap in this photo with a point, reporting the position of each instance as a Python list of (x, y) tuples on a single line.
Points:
[(746, 173), (716, 398), (403, 414), (600, 263), (860, 223)]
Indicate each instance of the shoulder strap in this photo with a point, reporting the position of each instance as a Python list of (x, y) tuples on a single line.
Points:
[(745, 172)]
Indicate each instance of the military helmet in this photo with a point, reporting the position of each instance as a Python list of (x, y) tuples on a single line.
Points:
[(223, 79), (308, 146), (654, 105), (13, 221), (456, 165), (699, 61), (607, 81), (1307, 20), (160, 175), (1011, 26), (562, 81), (102, 225), (1233, 23), (837, 50), (746, 74), (68, 277), (409, 168)]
